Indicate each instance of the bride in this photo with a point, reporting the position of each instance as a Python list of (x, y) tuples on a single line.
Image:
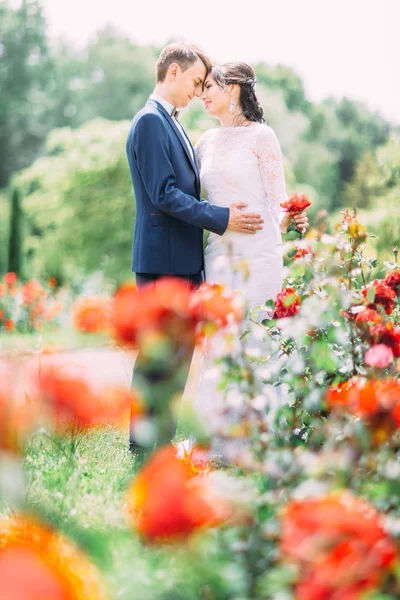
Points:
[(240, 162)]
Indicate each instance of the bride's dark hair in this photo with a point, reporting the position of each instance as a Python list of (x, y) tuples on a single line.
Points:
[(244, 76)]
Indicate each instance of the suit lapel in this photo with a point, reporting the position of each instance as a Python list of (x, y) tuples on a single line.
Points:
[(193, 161)]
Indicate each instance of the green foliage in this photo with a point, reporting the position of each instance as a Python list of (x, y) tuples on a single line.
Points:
[(79, 205), (25, 63)]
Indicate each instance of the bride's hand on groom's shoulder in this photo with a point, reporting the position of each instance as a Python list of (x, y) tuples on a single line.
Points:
[(243, 222)]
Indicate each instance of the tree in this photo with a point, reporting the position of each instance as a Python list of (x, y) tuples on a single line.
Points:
[(25, 64), (15, 238), (79, 206), (117, 77)]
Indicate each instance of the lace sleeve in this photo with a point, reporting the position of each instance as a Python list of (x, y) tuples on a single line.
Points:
[(271, 169)]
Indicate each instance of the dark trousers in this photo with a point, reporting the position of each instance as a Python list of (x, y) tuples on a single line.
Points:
[(140, 378), (145, 278)]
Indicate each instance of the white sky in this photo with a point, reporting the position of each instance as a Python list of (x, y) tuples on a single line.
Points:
[(339, 47)]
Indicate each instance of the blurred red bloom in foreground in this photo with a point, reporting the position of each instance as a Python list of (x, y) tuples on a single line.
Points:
[(17, 420), (384, 296), (392, 280), (72, 403), (170, 307), (287, 303), (212, 309), (166, 501), (296, 203), (340, 545), (91, 315), (36, 563)]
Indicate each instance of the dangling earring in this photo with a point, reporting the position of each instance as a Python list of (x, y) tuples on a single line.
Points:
[(231, 107)]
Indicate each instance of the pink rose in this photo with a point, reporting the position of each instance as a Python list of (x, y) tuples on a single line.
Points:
[(379, 356)]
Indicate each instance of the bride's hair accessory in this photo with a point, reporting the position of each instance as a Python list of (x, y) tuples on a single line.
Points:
[(244, 76)]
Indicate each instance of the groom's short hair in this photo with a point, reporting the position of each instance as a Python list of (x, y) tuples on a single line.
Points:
[(184, 55)]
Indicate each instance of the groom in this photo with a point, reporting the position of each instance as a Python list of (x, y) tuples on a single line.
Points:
[(170, 215)]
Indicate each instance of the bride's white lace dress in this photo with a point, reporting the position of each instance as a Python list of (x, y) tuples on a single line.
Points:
[(240, 164)]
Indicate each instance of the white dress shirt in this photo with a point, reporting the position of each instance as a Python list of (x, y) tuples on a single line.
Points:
[(169, 108)]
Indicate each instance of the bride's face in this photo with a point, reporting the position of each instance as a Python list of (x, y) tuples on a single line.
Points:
[(216, 100)]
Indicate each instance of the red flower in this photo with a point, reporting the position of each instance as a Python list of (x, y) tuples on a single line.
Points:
[(340, 545), (2, 289), (167, 501), (171, 308), (287, 303), (91, 315), (31, 292), (159, 307), (384, 296), (375, 401), (17, 419), (38, 563), (72, 403), (212, 310), (388, 334), (9, 324), (10, 279), (368, 316), (296, 203), (392, 280), (301, 252)]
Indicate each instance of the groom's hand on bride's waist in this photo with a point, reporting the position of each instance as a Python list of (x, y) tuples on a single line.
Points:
[(243, 222)]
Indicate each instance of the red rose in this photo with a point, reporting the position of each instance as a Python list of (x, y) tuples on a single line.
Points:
[(302, 252), (392, 280), (73, 404), (166, 500), (369, 317), (296, 203), (384, 296), (10, 279), (170, 307), (388, 334), (339, 544), (38, 562), (9, 324), (287, 303), (91, 315), (377, 402)]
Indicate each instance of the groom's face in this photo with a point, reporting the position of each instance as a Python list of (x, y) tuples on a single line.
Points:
[(187, 84)]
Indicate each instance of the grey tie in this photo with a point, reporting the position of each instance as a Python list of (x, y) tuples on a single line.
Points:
[(175, 114)]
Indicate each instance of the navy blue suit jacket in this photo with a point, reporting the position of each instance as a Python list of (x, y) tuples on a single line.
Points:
[(170, 215)]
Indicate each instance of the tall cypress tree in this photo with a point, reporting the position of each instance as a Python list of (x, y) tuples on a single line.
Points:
[(15, 239)]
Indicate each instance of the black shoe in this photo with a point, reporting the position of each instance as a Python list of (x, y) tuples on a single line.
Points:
[(134, 447)]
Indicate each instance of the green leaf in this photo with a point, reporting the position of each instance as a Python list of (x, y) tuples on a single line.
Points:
[(292, 235)]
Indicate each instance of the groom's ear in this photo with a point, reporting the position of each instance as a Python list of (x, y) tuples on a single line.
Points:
[(173, 70)]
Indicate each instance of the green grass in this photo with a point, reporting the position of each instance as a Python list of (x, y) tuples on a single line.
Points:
[(80, 487)]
